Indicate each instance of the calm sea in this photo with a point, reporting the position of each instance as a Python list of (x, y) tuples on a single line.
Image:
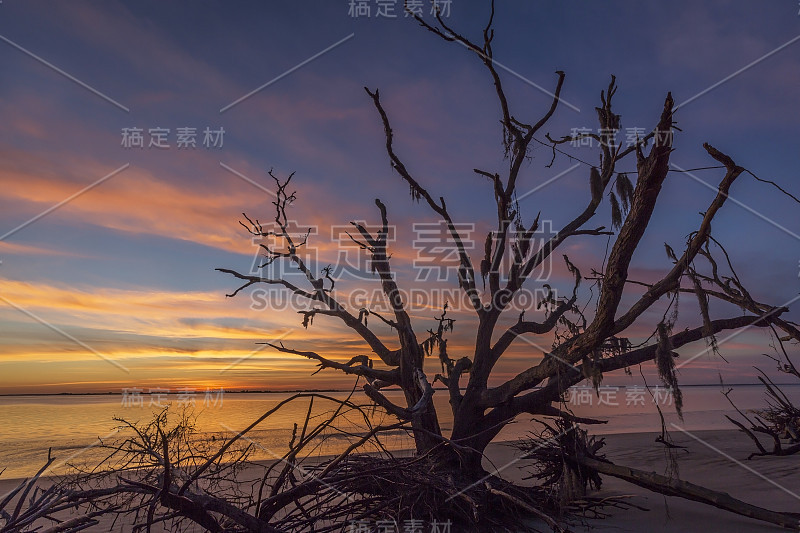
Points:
[(71, 425)]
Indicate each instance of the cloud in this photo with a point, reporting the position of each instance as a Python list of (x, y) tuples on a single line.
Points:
[(9, 248)]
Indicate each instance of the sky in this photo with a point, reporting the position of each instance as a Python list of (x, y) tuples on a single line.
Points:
[(108, 249)]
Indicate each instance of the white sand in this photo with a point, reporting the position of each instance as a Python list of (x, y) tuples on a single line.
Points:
[(702, 465)]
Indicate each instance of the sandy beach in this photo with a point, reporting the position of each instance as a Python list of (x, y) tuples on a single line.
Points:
[(770, 482), (773, 483)]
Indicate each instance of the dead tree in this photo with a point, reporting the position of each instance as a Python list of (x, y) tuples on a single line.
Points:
[(564, 455), (587, 345), (780, 419), (31, 507), (163, 472)]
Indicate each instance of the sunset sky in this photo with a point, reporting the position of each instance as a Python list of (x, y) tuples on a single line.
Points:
[(116, 287)]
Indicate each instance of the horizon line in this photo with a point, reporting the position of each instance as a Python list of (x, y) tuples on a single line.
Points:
[(288, 391)]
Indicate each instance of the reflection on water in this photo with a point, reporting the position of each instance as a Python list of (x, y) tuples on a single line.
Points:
[(71, 425)]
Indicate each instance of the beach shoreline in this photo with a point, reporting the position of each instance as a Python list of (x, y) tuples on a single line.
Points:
[(716, 459)]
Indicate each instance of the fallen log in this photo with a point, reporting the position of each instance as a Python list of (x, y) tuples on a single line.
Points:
[(690, 491)]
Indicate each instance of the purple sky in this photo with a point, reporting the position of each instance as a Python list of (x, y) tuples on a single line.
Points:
[(124, 272)]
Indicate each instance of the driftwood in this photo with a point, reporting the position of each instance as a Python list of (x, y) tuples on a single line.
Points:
[(566, 458), (690, 491), (781, 417), (29, 507), (160, 473)]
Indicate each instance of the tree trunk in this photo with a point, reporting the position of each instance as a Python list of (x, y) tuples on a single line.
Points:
[(690, 491), (427, 433), (571, 486), (471, 437)]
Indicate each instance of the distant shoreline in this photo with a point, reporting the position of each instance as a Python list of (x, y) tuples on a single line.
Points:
[(178, 392)]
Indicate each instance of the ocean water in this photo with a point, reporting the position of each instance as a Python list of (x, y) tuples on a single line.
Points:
[(70, 426)]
